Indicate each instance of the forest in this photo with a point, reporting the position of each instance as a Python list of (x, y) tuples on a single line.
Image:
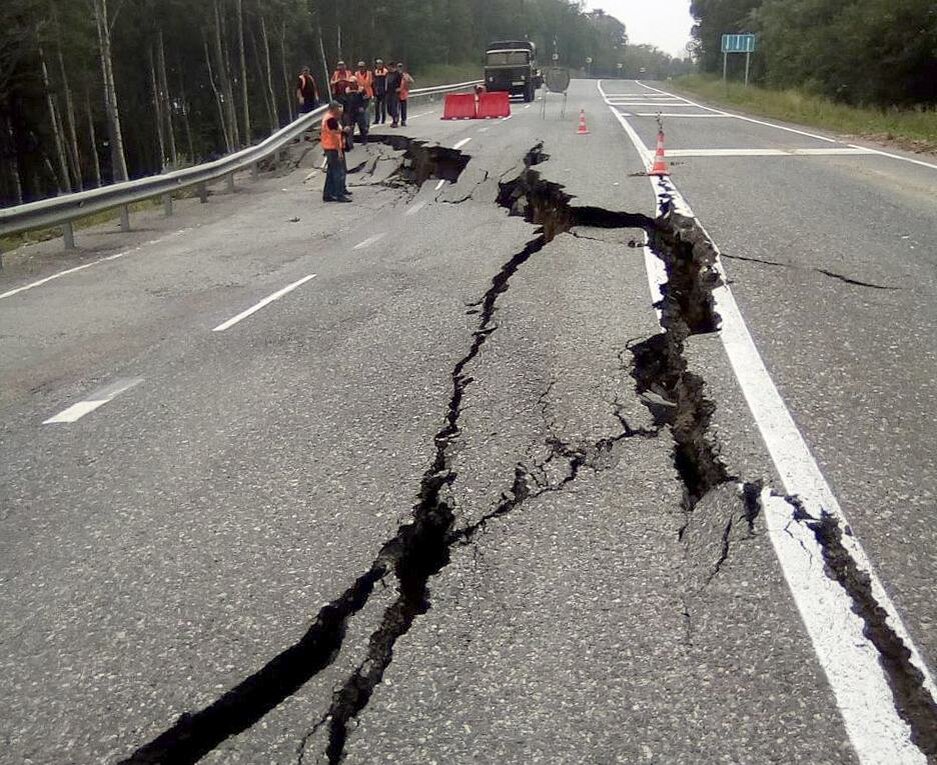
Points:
[(99, 91), (880, 53)]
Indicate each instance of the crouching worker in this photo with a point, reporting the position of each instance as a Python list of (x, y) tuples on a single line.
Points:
[(333, 144)]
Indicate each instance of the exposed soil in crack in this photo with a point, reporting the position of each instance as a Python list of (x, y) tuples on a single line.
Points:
[(914, 703), (660, 368), (421, 162)]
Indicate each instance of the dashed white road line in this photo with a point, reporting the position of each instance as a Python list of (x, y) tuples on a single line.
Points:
[(847, 656), (414, 209), (369, 241), (461, 143), (266, 301), (483, 130), (76, 269), (505, 119), (97, 398), (442, 182), (526, 106)]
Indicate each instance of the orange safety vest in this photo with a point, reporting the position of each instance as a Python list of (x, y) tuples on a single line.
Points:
[(405, 80), (340, 77), (332, 140), (365, 83)]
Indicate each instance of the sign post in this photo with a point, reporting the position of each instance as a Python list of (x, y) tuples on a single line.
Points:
[(744, 43)]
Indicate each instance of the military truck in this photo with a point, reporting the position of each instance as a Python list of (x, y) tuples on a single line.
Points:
[(511, 65)]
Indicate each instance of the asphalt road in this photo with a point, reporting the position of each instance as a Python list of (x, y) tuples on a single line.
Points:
[(455, 491)]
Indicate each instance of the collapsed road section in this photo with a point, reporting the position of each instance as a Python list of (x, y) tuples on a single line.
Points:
[(424, 546)]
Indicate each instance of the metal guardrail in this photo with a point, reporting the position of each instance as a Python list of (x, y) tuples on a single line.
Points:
[(62, 210)]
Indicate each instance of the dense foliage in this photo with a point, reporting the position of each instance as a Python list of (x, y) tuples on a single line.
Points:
[(98, 90), (864, 52)]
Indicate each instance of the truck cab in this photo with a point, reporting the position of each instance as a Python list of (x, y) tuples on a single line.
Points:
[(511, 66)]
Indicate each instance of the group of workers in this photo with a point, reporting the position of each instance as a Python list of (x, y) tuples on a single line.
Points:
[(351, 95)]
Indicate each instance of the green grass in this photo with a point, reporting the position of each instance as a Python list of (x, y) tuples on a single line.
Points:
[(446, 74), (914, 130)]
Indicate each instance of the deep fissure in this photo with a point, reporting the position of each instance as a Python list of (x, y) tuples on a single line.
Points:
[(421, 548), (913, 702)]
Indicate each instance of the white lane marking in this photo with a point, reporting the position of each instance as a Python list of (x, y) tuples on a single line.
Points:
[(655, 103), (415, 208), (97, 398), (461, 143), (931, 165), (266, 301), (505, 119), (765, 152), (751, 119), (67, 271), (684, 116), (888, 154), (439, 185), (848, 658), (526, 106), (483, 130), (421, 114), (369, 241)]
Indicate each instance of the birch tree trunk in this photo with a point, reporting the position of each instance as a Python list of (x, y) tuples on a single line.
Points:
[(243, 62), (93, 142), (184, 101), (274, 120), (14, 165), (224, 78), (158, 109), (286, 77), (74, 154), (166, 100), (63, 181), (219, 100), (118, 158)]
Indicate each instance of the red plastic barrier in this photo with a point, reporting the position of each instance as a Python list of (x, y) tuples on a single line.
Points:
[(492, 105), (459, 106)]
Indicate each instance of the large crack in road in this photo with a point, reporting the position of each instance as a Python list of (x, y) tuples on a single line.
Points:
[(422, 548)]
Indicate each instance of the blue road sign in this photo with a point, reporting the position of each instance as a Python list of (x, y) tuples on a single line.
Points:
[(738, 43)]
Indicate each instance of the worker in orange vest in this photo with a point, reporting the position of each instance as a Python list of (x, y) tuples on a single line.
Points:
[(380, 91), (404, 92), (341, 78), (333, 144)]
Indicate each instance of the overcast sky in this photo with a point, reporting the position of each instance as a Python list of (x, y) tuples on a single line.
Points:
[(664, 23)]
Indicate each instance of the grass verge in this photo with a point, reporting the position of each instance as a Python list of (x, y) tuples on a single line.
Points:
[(909, 129)]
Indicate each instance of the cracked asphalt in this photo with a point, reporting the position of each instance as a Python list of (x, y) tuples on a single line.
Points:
[(420, 509)]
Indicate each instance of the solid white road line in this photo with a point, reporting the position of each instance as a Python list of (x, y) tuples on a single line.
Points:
[(415, 208), (266, 301), (849, 659), (674, 105), (684, 116), (750, 119), (765, 152), (931, 165), (369, 241), (47, 279), (461, 143), (98, 398)]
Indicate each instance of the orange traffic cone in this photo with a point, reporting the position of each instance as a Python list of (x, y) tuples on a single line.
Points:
[(660, 163), (583, 130)]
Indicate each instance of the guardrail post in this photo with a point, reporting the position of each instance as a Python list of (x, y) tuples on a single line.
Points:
[(68, 234), (167, 204), (125, 218), (231, 182), (255, 170), (203, 193)]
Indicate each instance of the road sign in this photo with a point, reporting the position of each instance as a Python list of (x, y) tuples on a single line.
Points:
[(744, 43), (738, 43)]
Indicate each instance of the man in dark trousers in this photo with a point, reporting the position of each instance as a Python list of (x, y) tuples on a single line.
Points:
[(307, 95), (333, 144), (380, 92), (393, 93), (356, 113)]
